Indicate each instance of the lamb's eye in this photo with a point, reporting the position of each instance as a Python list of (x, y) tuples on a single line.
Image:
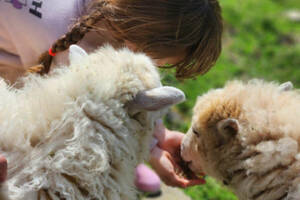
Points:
[(196, 132)]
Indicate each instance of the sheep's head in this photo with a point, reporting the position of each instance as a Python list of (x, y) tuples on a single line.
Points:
[(132, 78), (220, 134), (130, 84)]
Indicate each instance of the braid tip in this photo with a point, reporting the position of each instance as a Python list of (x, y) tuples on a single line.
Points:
[(35, 69)]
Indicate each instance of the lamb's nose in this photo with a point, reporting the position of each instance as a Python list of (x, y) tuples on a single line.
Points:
[(184, 154)]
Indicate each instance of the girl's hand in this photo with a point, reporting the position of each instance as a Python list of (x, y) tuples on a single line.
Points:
[(166, 167), (165, 158)]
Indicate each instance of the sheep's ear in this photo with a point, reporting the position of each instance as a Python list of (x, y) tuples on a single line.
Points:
[(287, 86), (157, 98), (76, 53), (228, 127)]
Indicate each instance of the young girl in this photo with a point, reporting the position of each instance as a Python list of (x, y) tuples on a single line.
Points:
[(186, 34)]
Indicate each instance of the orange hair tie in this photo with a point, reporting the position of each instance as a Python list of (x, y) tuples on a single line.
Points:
[(51, 53)]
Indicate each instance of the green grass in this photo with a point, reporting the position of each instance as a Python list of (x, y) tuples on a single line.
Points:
[(259, 42), (212, 190)]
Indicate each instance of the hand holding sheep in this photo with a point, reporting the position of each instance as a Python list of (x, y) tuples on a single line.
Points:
[(165, 158)]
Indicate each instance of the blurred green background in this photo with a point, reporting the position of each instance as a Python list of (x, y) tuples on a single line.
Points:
[(261, 40)]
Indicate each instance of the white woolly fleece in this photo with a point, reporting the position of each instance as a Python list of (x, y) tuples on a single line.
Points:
[(69, 135)]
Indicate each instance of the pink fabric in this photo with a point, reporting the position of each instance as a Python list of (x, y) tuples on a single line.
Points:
[(146, 179), (29, 27)]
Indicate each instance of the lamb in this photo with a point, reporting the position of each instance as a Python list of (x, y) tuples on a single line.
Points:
[(247, 135), (79, 132)]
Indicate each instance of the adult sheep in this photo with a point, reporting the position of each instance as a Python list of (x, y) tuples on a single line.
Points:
[(80, 132), (247, 135)]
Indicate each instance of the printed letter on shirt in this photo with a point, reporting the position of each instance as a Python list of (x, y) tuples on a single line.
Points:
[(36, 6)]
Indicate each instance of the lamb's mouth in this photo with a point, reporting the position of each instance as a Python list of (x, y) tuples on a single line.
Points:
[(186, 172)]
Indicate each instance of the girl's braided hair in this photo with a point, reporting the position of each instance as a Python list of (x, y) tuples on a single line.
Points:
[(160, 28), (77, 32)]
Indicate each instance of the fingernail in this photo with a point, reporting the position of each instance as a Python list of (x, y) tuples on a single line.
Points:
[(184, 184)]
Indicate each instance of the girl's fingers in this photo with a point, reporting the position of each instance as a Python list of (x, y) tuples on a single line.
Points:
[(195, 182), (169, 171), (178, 181), (182, 181)]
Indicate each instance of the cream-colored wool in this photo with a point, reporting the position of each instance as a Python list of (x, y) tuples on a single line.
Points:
[(247, 136), (77, 133)]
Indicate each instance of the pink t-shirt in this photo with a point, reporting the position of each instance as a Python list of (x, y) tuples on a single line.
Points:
[(29, 27)]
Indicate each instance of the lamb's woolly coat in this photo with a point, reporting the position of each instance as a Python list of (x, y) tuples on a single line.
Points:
[(72, 135), (247, 135)]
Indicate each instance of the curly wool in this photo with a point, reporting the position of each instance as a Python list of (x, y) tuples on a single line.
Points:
[(69, 135), (257, 153)]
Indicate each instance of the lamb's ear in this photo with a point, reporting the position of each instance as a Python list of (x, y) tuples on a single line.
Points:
[(76, 53), (228, 127), (287, 86), (157, 98)]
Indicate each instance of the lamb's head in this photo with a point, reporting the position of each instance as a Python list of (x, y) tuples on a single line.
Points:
[(215, 125), (228, 124)]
